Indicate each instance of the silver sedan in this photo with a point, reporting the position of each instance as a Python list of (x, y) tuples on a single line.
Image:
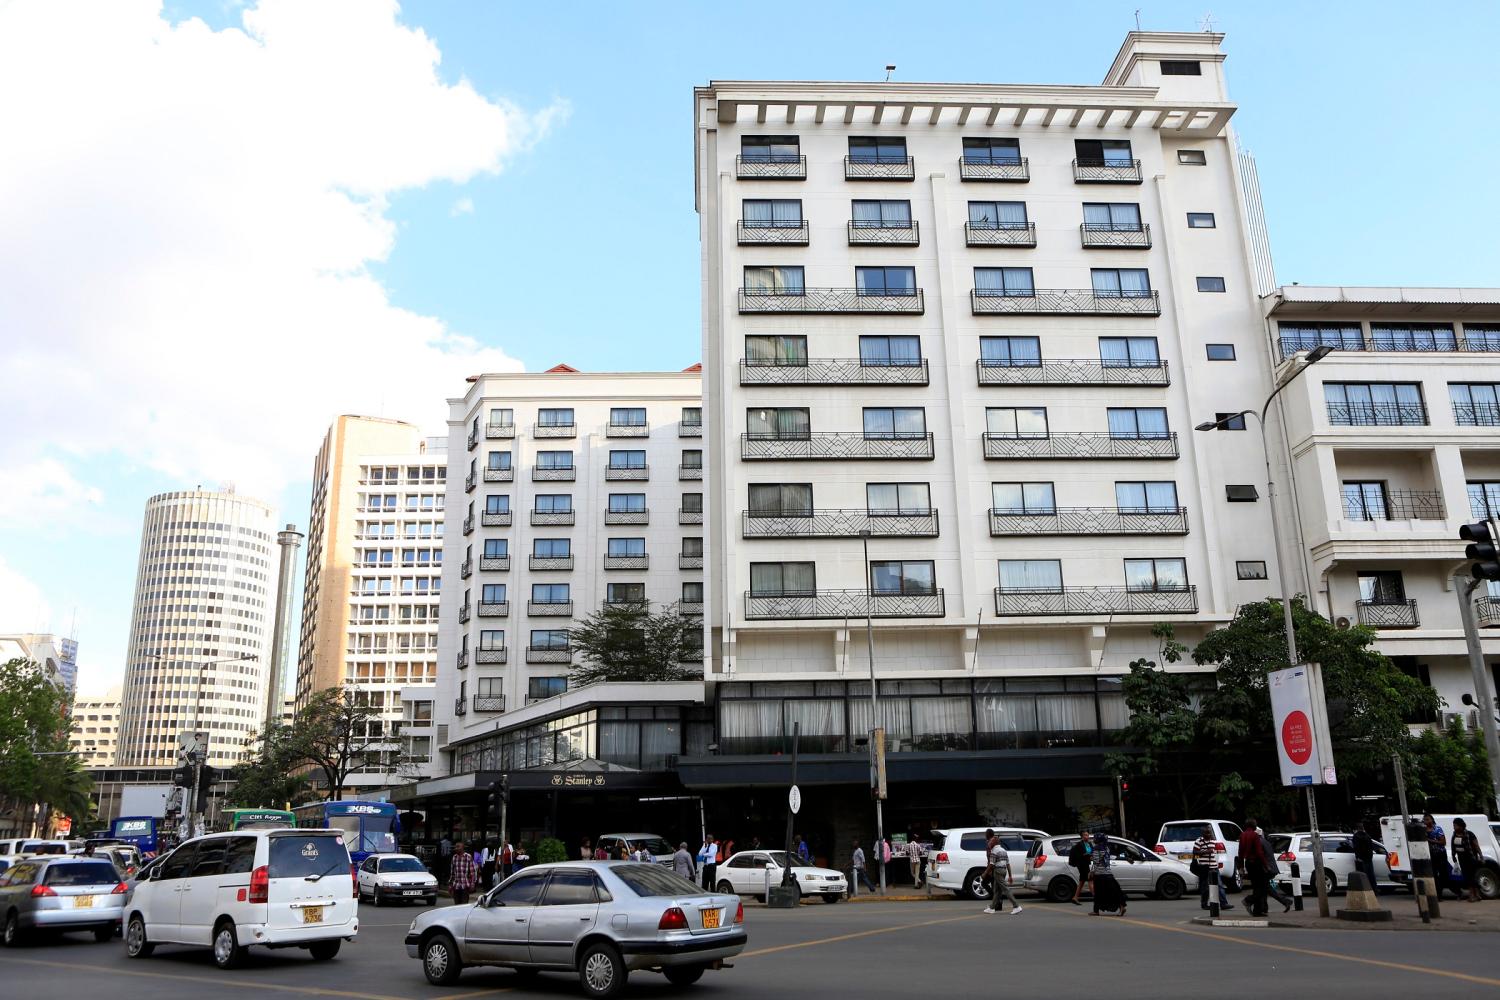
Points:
[(600, 919), (1135, 868), (60, 893)]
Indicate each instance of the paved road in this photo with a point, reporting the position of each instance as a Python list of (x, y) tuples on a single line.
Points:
[(866, 950)]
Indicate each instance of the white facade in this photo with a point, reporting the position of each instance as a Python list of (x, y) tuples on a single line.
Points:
[(96, 729), (973, 577), (56, 655), (1394, 446), (200, 630), (566, 490)]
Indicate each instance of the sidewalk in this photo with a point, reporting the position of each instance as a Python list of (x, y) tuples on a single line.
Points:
[(1456, 916)]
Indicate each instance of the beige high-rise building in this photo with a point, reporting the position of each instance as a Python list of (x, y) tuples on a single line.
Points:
[(96, 728), (374, 569)]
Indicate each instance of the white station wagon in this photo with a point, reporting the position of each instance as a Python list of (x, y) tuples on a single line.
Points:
[(229, 891)]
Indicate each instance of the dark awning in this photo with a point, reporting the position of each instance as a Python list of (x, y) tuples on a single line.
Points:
[(854, 769)]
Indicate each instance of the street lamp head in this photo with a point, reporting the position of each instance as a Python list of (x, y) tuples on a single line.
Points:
[(1207, 425), (1318, 354)]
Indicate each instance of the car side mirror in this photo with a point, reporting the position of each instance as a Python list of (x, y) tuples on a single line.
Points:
[(155, 875)]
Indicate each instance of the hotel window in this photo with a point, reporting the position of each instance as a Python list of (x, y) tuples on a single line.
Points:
[(1103, 153), (550, 593), (877, 149), (985, 150), (1129, 352), (626, 548), (781, 500), (1010, 352), (780, 350), (627, 459), (1156, 575), (497, 460), (555, 417), (1192, 157), (627, 416), (885, 423), (1230, 421), (496, 548), (1016, 422), (1181, 67), (692, 416), (886, 214), (692, 458), (773, 280), (1031, 576), (997, 215), (1474, 403), (896, 499), (545, 687), (1112, 217), (489, 687), (1003, 282), (1201, 220), (1484, 498), (1121, 283), (501, 416), (1250, 569), (786, 423), (692, 503), (549, 638), (885, 280), (1413, 337), (1147, 497), (1137, 422), (783, 579), (890, 352), (497, 503), (551, 548), (554, 460), (770, 148), (623, 593), (692, 592), (765, 213), (1365, 500), (1211, 283), (1305, 336), (1359, 404), (627, 503), (692, 546), (1220, 352), (903, 576), (1023, 498), (553, 503), (492, 593)]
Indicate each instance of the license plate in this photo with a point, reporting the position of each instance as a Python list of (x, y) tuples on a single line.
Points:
[(82, 902), (312, 914), (414, 892), (1184, 857), (710, 919)]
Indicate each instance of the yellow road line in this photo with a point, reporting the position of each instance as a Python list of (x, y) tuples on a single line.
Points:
[(851, 937), (218, 981)]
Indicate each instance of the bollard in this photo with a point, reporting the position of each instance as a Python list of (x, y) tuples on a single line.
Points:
[(1296, 887), (1428, 903), (1364, 905), (1213, 893)]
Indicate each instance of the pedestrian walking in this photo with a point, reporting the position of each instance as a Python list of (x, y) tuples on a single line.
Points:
[(507, 860), (464, 874), (1467, 855), (1256, 865), (523, 855), (914, 860), (586, 850), (923, 847), (857, 869), (803, 854), (682, 863), (1080, 856), (1108, 897), (1205, 865), (1273, 869), (884, 847), (708, 861), (1364, 852), (997, 870)]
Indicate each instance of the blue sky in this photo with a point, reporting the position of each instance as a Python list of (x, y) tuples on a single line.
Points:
[(1369, 122)]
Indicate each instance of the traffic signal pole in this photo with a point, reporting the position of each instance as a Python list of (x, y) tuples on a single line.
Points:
[(1484, 689)]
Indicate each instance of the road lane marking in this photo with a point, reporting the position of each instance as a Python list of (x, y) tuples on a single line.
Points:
[(850, 937), (215, 980)]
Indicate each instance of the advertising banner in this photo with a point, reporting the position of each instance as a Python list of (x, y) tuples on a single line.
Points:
[(1297, 722)]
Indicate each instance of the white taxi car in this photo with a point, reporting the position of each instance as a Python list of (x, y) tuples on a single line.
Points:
[(746, 873), (396, 878)]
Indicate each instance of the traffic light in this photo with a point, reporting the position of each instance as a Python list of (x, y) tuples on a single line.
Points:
[(206, 777), (182, 776), (1484, 558), (499, 794)]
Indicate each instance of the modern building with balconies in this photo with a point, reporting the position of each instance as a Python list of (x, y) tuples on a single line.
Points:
[(952, 397)]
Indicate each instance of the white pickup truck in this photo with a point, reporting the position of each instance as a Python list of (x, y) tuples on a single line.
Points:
[(1393, 835)]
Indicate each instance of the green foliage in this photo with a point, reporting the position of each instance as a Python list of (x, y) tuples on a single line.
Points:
[(34, 721), (1449, 771), (626, 642), (268, 780), (550, 850)]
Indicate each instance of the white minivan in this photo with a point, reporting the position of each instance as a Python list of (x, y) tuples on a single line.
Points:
[(228, 891)]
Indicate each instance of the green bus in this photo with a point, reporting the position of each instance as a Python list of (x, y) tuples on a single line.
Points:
[(260, 819)]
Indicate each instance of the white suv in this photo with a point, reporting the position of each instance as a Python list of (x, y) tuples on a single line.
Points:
[(1177, 838), (956, 860), (228, 891)]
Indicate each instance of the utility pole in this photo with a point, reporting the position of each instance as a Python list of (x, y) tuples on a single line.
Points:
[(877, 753), (1484, 690)]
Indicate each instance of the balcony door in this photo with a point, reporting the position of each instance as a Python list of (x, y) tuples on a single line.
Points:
[(1382, 587)]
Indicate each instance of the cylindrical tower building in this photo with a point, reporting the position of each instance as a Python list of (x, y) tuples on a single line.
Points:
[(289, 539)]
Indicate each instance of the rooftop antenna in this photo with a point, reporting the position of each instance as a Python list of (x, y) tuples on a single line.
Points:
[(1208, 22), (1137, 19), (889, 69)]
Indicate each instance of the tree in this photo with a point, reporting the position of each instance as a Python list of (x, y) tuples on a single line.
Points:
[(269, 777), (35, 767), (1448, 770), (626, 642), (336, 733), (1163, 728)]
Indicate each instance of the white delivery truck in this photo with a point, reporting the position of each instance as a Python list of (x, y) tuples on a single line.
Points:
[(1393, 836)]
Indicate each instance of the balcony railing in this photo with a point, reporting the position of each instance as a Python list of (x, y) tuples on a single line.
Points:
[(499, 475), (1488, 611), (839, 524), (844, 604), (469, 483), (995, 170), (1115, 236), (549, 654), (1420, 342), (494, 564), (627, 472), (686, 473), (783, 233), (881, 168), (1095, 601), (685, 516), (460, 706), (686, 561), (831, 371), (466, 569), (554, 430), (1476, 414), (1397, 505), (494, 609), (473, 440), (771, 168), (553, 474), (1000, 234), (550, 562), (690, 607), (549, 609), (553, 517), (1080, 444), (1089, 521), (639, 603), (1107, 171), (625, 562), (1064, 302), (491, 654), (1387, 614), (463, 613), (496, 518), (690, 430), (1071, 371), (489, 703), (494, 431), (828, 300), (885, 234), (835, 445), (627, 430), (462, 660), (693, 655), (1377, 414), (627, 517)]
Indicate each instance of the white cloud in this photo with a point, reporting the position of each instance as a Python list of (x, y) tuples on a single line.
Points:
[(22, 606), (186, 221), (43, 492), (463, 206)]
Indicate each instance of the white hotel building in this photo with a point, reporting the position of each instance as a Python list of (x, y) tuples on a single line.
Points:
[(977, 322)]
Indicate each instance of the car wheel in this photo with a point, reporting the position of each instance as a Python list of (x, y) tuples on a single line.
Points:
[(601, 970), (1331, 882), (136, 945), (1060, 889), (322, 951), (725, 888), (227, 951), (12, 933), (683, 975), (1488, 881), (1170, 887), (104, 935), (440, 962), (974, 885), (1231, 884), (374, 897)]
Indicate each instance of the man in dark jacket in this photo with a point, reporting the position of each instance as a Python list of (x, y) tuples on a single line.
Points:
[(1364, 852), (1080, 858), (1256, 865)]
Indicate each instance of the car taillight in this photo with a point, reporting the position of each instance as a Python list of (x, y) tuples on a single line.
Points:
[(1393, 860), (942, 857), (673, 920), (260, 885), (1160, 848), (1219, 846), (1286, 856), (120, 889), (739, 913), (1041, 859), (38, 891), (354, 877)]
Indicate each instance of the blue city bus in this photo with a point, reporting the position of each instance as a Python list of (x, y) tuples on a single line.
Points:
[(138, 830), (369, 827)]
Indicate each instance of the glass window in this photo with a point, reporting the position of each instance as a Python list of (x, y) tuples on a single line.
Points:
[(499, 460), (1374, 403), (785, 423), (692, 545), (692, 416), (1305, 336), (1482, 337), (626, 547), (1208, 283), (500, 416), (692, 592), (1129, 352), (885, 280), (1023, 498), (1155, 574), (987, 150), (1112, 216), (1003, 282), (1475, 404), (1382, 587), (1102, 153), (627, 503), (770, 148), (1121, 283), (523, 890), (894, 422), (554, 460), (1010, 352), (548, 687), (1484, 498), (877, 149), (497, 503), (888, 352), (492, 638), (1192, 157), (549, 593), (496, 548), (763, 213), (781, 500), (555, 417), (1250, 569), (783, 579), (551, 548), (1200, 220), (1230, 421), (998, 215), (1413, 337), (692, 458), (692, 503), (492, 593), (1016, 422), (627, 416), (1150, 497), (781, 280), (101, 872), (553, 503), (1038, 576), (1181, 67), (887, 214), (889, 499), (782, 350), (1220, 352), (549, 638), (1138, 422), (902, 576), (627, 459)]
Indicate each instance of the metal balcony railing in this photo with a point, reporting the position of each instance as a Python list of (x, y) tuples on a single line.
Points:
[(693, 655), (686, 561), (627, 472), (829, 300), (625, 562), (549, 654), (685, 516), (473, 440), (553, 517), (835, 445), (1095, 601), (775, 232), (879, 168), (1377, 414), (463, 613), (554, 430), (832, 371), (1000, 234), (844, 604), (627, 430), (1408, 342), (885, 234), (1089, 521), (550, 562), (1476, 414), (627, 517), (499, 475), (489, 703), (496, 518), (1115, 236), (690, 607), (496, 431), (840, 524), (553, 474), (1064, 302), (491, 654), (1016, 170), (690, 430), (771, 168), (689, 472), (1107, 171), (494, 564), (466, 569), (1080, 444), (469, 483), (462, 660), (1388, 614), (494, 609), (1488, 611), (460, 706), (626, 602), (1072, 371), (1396, 505), (549, 609)]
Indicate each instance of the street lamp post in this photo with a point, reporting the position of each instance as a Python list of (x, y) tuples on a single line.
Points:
[(864, 541), (1313, 357)]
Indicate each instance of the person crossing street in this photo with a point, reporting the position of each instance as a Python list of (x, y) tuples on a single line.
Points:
[(998, 874), (857, 866), (1205, 865), (464, 874)]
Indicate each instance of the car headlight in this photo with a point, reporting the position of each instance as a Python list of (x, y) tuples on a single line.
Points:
[(808, 877), (389, 885)]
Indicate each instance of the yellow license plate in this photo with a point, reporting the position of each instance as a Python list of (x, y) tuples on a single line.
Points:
[(710, 919), (82, 902), (1184, 857), (312, 914)]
